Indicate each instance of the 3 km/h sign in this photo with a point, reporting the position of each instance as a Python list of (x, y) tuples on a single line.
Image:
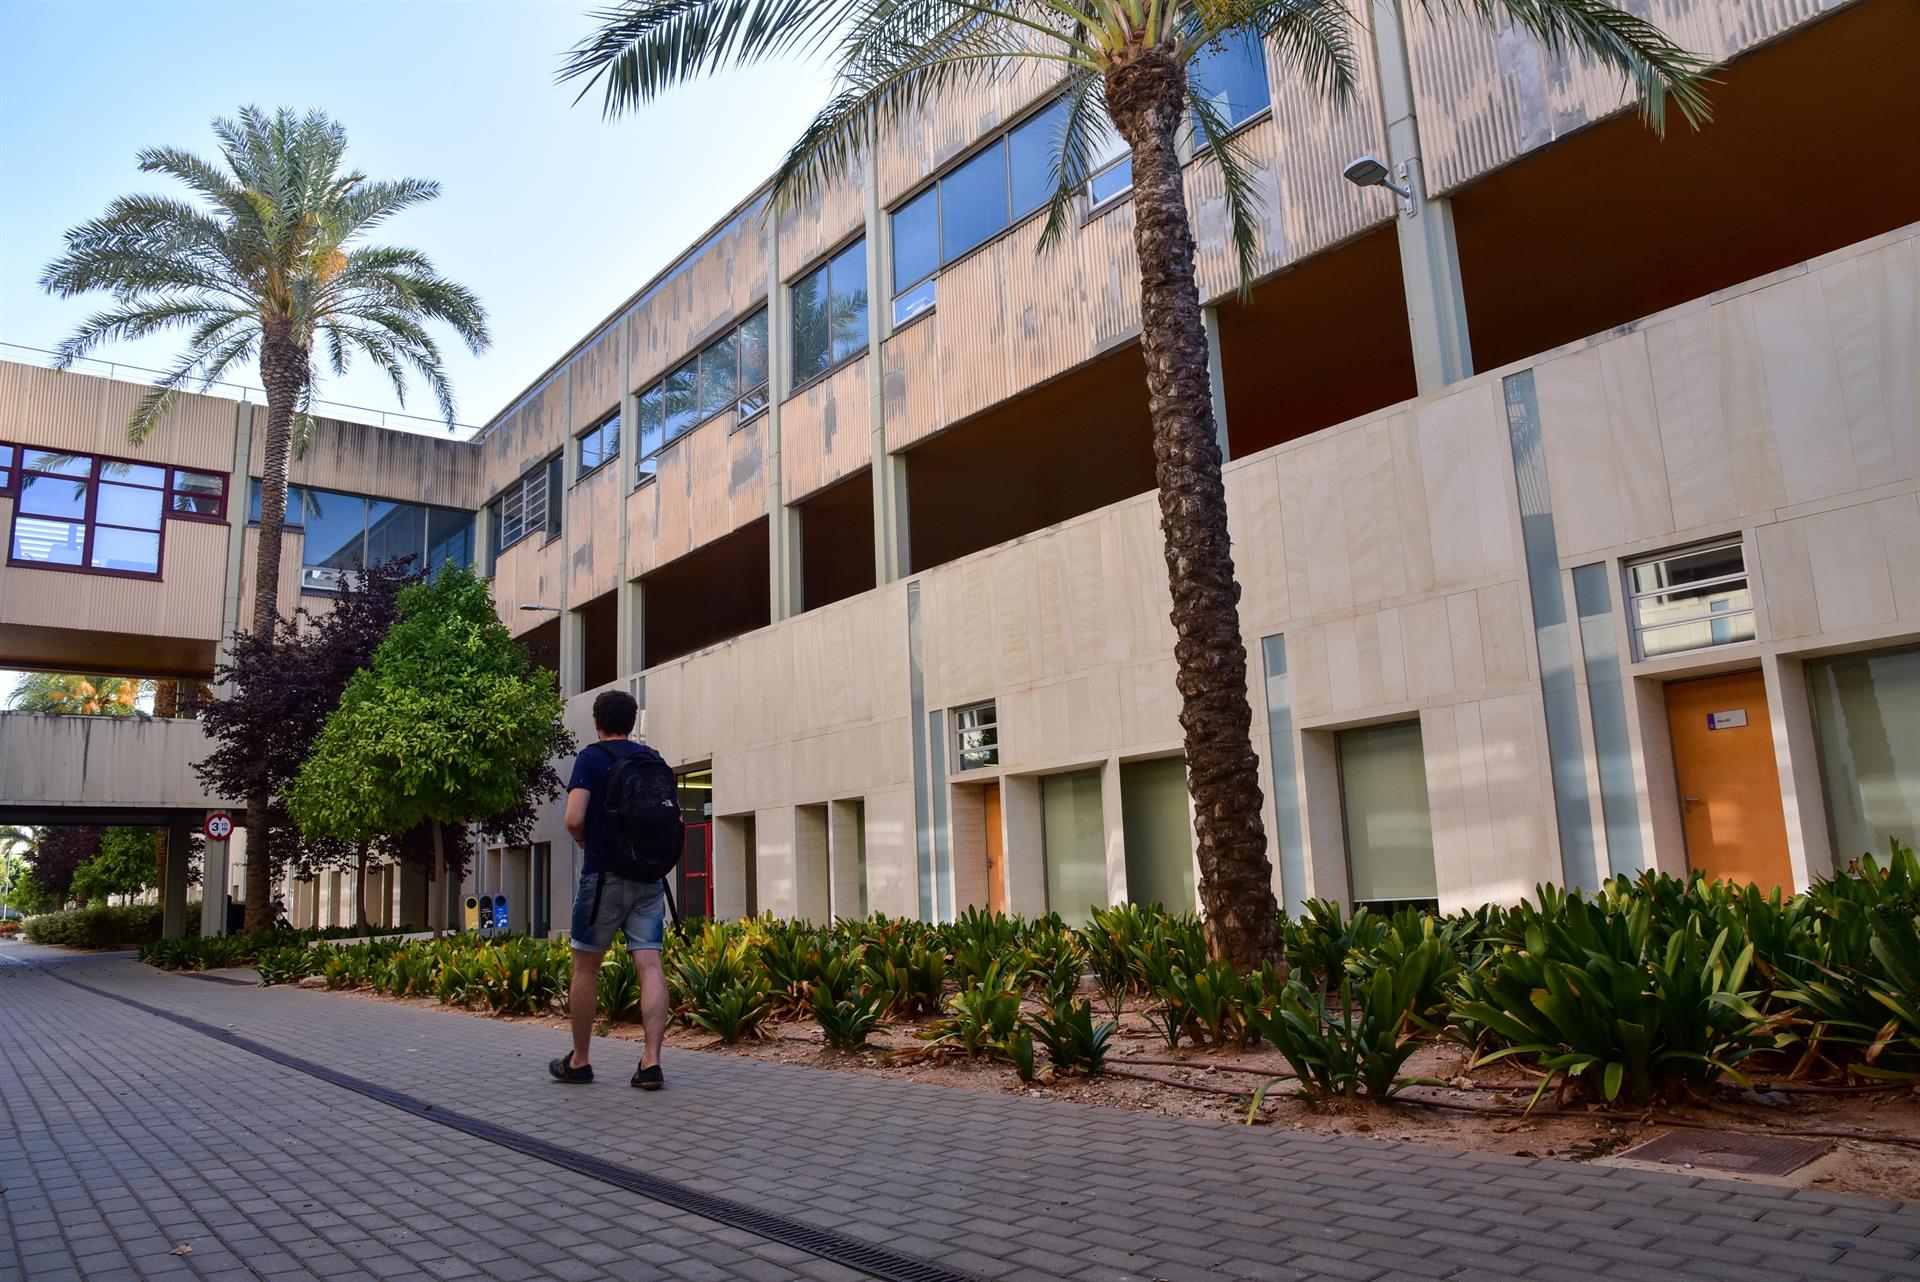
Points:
[(219, 826)]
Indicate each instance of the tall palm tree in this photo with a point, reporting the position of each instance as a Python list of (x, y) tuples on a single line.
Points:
[(268, 264), (1123, 67)]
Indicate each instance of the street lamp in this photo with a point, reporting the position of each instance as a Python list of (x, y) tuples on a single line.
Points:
[(1368, 171), (539, 609)]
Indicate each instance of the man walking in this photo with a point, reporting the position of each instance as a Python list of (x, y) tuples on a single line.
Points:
[(622, 807)]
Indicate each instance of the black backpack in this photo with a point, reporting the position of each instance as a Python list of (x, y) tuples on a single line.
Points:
[(643, 813)]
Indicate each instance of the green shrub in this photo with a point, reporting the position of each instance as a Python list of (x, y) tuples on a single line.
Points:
[(1074, 1042), (1354, 1041), (617, 987), (522, 976), (288, 965), (913, 969), (410, 972), (1593, 997), (732, 1012), (980, 1018), (1321, 944), (849, 1017), (104, 926)]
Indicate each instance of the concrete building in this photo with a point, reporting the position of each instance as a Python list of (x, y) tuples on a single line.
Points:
[(1575, 501)]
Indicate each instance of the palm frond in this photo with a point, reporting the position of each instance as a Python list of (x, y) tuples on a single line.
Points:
[(1617, 38), (1243, 199)]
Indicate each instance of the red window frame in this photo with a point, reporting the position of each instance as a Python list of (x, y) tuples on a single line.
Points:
[(13, 463)]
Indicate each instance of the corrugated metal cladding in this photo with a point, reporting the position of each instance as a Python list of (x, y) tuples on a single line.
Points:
[(1485, 96), (88, 415)]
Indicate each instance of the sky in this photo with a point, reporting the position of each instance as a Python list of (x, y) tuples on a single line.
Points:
[(552, 215)]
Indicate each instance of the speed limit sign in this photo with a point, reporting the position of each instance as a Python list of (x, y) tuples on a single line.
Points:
[(219, 826)]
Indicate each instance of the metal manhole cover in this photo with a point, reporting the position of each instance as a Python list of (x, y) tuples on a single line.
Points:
[(1730, 1151)]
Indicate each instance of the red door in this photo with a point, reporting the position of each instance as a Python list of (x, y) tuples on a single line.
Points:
[(696, 872)]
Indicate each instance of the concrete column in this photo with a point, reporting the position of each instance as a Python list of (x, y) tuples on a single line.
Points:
[(1023, 838), (1429, 258), (1796, 750), (237, 499), (573, 632), (891, 553), (775, 864), (846, 837), (1114, 819), (630, 638), (214, 872), (173, 893), (783, 523), (1216, 379), (732, 849)]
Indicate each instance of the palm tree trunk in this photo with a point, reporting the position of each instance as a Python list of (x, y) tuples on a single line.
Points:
[(284, 371), (1146, 97)]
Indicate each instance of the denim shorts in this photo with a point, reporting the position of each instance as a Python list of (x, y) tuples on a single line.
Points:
[(606, 903)]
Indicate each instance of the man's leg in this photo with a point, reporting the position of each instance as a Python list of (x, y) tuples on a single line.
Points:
[(583, 1001), (653, 1002)]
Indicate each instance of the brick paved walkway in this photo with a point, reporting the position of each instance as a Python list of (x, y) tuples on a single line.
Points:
[(128, 1134)]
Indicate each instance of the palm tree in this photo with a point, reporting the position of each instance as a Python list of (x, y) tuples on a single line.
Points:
[(1123, 65), (270, 263), (74, 695)]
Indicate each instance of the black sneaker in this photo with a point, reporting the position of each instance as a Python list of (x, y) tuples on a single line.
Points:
[(649, 1079), (564, 1071)]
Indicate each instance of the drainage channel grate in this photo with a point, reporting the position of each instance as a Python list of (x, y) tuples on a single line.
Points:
[(215, 979), (874, 1260)]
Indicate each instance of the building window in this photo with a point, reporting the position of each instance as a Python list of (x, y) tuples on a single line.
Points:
[(730, 373), (531, 505), (345, 532), (976, 736), (1383, 798), (978, 199), (600, 444), (1231, 73), (1109, 170), (830, 313), (1690, 600), (1866, 711), (104, 515)]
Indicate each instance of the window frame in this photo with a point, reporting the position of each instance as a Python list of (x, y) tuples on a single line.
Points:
[(366, 530), (540, 473), (14, 472), (825, 264), (741, 396), (1002, 138), (960, 749), (1631, 598), (598, 430)]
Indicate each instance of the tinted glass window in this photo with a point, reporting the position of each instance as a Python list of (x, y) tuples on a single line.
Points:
[(653, 417), (1232, 73), (47, 542), (914, 301), (916, 239), (131, 551), (850, 301), (1110, 182), (973, 202), (719, 375), (812, 341), (296, 504), (129, 506), (1031, 152), (395, 529), (59, 464), (53, 496), (449, 538), (683, 409), (336, 539), (753, 363), (556, 480)]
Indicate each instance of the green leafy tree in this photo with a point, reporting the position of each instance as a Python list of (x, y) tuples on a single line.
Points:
[(270, 263), (124, 865), (1124, 71), (446, 726), (75, 695)]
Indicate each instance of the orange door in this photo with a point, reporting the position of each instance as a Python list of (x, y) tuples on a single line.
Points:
[(996, 860), (1729, 782)]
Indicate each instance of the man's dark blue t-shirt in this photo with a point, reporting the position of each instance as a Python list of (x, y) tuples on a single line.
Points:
[(591, 770)]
